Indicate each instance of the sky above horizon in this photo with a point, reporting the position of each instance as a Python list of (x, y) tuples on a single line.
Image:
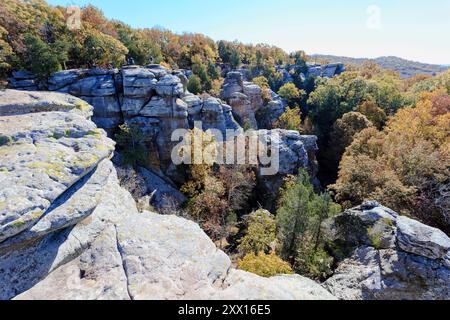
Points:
[(414, 29)]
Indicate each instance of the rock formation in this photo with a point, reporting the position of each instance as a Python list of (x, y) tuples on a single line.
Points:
[(149, 189), (69, 231), (245, 98), (328, 70), (295, 152), (155, 100), (387, 256), (311, 70)]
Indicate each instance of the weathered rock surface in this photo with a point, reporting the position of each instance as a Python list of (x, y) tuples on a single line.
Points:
[(152, 98), (98, 87), (327, 70), (293, 152), (58, 189), (415, 237), (45, 153), (164, 194), (13, 102), (138, 86), (284, 287), (270, 113), (169, 86), (217, 115), (311, 70), (242, 107), (233, 83), (391, 256), (254, 93), (150, 256), (155, 100), (88, 240), (24, 80), (150, 189)]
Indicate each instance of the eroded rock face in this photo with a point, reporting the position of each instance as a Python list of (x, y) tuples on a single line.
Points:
[(390, 256), (294, 151), (154, 257), (58, 189), (242, 107), (138, 86), (99, 87), (155, 100), (69, 231), (245, 98), (233, 83), (150, 189)]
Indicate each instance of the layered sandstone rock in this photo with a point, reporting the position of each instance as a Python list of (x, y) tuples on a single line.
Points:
[(389, 256), (154, 257), (290, 153)]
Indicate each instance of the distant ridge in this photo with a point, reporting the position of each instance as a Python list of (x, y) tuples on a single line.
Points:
[(406, 68)]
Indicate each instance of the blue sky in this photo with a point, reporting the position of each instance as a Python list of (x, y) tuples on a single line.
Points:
[(414, 29)]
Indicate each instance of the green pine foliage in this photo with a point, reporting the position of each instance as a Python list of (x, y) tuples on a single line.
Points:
[(130, 142), (299, 217)]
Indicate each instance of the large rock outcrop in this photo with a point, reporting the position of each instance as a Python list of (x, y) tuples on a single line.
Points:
[(155, 100), (387, 256), (271, 112), (69, 231), (310, 70), (98, 87), (245, 98), (292, 153)]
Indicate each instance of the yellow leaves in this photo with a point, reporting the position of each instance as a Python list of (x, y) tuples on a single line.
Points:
[(216, 87), (260, 234), (421, 122), (374, 113), (264, 265), (5, 51), (404, 161), (290, 92), (261, 81)]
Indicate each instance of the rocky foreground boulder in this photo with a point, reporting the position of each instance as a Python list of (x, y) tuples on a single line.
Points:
[(69, 231), (387, 256)]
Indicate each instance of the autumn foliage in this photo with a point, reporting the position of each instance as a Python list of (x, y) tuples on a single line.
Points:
[(405, 166)]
